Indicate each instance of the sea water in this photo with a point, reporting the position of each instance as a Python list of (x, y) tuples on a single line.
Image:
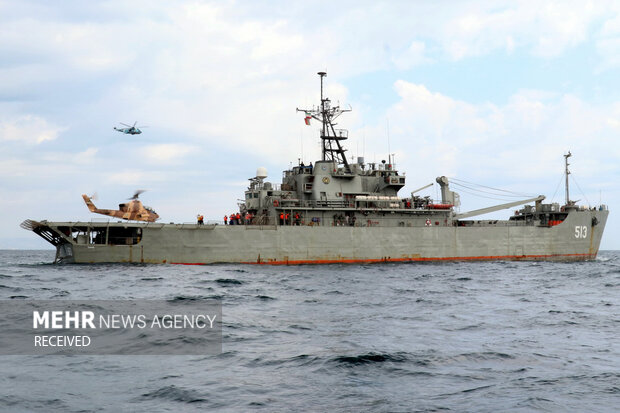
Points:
[(463, 336)]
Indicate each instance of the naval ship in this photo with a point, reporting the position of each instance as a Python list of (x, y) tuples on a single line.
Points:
[(340, 212)]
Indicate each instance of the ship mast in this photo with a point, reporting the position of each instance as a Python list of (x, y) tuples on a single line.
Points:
[(332, 150), (567, 172)]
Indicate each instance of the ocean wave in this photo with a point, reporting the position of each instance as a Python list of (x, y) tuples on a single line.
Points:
[(182, 298), (369, 358), (176, 394), (264, 297), (228, 281)]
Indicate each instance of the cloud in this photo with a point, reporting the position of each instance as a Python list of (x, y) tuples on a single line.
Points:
[(167, 152), (522, 139), (132, 177), (29, 129), (547, 30), (608, 44), (85, 157), (415, 55)]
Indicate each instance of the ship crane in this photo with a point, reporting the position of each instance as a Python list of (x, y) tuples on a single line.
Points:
[(497, 207), (419, 189)]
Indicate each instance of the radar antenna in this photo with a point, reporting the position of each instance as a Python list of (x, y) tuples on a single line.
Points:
[(330, 136)]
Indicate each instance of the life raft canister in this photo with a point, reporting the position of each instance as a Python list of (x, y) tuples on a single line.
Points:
[(276, 203)]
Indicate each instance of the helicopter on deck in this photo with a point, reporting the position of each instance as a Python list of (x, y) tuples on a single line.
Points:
[(132, 210), (130, 130)]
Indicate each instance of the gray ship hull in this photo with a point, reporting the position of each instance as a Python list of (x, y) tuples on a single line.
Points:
[(577, 238)]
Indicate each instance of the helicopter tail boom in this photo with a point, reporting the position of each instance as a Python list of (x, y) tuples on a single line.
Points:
[(89, 203)]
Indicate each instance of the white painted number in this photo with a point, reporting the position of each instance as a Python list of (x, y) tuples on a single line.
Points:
[(581, 231)]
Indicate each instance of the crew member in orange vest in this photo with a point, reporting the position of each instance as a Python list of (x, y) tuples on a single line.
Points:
[(286, 217), (281, 218), (225, 219)]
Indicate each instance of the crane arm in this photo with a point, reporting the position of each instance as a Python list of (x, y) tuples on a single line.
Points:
[(497, 207)]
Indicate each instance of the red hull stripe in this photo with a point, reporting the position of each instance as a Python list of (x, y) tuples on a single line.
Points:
[(388, 259)]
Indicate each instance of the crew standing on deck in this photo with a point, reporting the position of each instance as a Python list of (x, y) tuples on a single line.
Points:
[(201, 219), (225, 219)]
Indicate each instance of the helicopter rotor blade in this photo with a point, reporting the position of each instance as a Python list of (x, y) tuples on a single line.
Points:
[(124, 124), (137, 193)]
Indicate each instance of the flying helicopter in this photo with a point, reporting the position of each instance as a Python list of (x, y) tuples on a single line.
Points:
[(130, 130), (133, 210)]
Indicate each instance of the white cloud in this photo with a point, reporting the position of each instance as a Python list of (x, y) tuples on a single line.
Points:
[(85, 157), (608, 43), (29, 129), (167, 152), (415, 55), (523, 139), (547, 29), (131, 177)]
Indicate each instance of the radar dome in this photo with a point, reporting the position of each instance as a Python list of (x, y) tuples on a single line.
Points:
[(261, 173)]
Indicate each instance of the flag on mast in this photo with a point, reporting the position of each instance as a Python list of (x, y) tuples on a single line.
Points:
[(307, 119)]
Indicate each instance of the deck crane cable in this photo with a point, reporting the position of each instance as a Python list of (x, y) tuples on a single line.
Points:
[(476, 194), (582, 193), (557, 188), (479, 191), (463, 182), (499, 194)]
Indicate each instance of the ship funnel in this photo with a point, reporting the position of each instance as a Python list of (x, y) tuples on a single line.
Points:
[(261, 173)]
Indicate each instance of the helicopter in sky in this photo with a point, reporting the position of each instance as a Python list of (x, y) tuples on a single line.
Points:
[(130, 130), (133, 210)]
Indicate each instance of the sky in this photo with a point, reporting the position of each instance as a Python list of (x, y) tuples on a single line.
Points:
[(492, 93)]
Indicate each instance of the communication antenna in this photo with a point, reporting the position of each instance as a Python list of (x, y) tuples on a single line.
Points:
[(387, 123), (301, 140), (567, 172), (364, 142), (330, 136)]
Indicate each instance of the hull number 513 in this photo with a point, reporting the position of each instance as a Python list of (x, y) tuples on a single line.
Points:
[(581, 231)]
